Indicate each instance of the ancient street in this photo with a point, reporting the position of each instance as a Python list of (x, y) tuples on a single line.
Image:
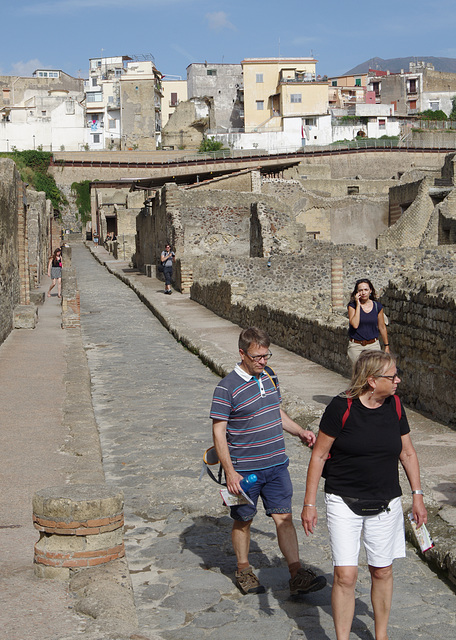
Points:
[(151, 399)]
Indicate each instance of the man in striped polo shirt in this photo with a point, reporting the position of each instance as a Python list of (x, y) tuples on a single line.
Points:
[(248, 426)]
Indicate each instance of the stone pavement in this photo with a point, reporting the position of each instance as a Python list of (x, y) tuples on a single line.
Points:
[(151, 398), (153, 432)]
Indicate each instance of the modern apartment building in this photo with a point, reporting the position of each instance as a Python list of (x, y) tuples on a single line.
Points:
[(123, 103), (345, 91), (174, 92), (45, 111), (284, 97), (418, 89)]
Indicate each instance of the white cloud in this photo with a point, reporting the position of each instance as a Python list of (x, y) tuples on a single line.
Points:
[(27, 68), (218, 20)]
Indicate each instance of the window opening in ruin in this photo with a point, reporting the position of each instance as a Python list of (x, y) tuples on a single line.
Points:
[(351, 191)]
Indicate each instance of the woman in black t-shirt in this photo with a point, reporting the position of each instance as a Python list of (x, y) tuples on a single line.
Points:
[(363, 435)]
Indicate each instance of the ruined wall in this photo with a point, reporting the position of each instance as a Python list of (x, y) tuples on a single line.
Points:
[(422, 309), (408, 231), (310, 272), (24, 248), (38, 217), (9, 255), (328, 213), (422, 330)]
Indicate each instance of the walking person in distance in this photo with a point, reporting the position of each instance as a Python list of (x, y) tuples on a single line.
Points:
[(167, 258), (367, 320), (55, 272)]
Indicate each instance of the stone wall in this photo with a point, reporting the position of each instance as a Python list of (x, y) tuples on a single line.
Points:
[(38, 217), (24, 248), (422, 309), (409, 230), (422, 330), (9, 255)]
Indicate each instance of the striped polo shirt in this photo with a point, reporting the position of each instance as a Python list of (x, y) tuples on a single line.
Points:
[(251, 408)]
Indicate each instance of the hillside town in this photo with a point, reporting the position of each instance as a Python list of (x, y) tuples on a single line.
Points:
[(271, 104)]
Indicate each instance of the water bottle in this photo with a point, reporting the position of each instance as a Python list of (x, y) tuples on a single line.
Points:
[(247, 482)]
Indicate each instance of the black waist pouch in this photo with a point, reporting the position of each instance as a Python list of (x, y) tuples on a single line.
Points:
[(363, 507)]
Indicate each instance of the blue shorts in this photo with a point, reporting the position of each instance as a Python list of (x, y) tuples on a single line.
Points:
[(275, 488)]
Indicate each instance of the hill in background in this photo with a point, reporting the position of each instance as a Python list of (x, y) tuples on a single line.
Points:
[(396, 64)]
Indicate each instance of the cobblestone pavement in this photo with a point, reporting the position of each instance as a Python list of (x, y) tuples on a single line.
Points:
[(151, 399)]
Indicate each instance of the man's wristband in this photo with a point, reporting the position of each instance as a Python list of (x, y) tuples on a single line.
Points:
[(310, 505), (386, 344), (418, 492)]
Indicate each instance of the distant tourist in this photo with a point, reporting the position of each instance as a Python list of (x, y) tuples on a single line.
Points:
[(55, 272), (363, 435), (367, 320), (248, 425), (167, 259), (95, 239)]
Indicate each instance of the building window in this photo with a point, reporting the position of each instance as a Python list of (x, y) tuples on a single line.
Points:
[(94, 82), (352, 191), (434, 106), (174, 101), (412, 85), (43, 113), (334, 83), (211, 72), (412, 104), (111, 123), (357, 82), (382, 124), (259, 77), (118, 73), (95, 97), (310, 122), (96, 138), (295, 97), (260, 105)]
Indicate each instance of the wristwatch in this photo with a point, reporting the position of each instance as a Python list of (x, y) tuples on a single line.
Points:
[(419, 492)]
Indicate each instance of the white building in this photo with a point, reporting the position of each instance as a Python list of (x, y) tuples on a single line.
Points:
[(43, 112)]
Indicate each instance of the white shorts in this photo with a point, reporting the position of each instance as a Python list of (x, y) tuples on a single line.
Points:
[(383, 535)]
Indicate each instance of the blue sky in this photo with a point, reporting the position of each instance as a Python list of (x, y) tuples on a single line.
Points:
[(64, 34)]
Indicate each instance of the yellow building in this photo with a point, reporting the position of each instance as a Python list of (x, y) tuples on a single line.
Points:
[(278, 88), (174, 92)]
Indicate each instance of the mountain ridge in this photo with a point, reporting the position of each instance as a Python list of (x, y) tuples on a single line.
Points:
[(396, 64)]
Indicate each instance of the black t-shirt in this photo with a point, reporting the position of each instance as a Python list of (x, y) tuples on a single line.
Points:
[(365, 453)]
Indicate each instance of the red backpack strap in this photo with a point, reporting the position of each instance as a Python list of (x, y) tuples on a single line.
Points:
[(398, 407), (347, 411)]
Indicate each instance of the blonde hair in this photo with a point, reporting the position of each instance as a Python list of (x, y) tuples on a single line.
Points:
[(371, 363)]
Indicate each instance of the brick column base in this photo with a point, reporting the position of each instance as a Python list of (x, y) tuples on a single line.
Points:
[(80, 526)]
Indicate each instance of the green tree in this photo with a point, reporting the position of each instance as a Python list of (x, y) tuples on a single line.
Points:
[(82, 191), (452, 115), (429, 114), (210, 144)]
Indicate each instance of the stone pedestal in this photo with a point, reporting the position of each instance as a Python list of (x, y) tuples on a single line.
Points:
[(80, 526), (25, 316)]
